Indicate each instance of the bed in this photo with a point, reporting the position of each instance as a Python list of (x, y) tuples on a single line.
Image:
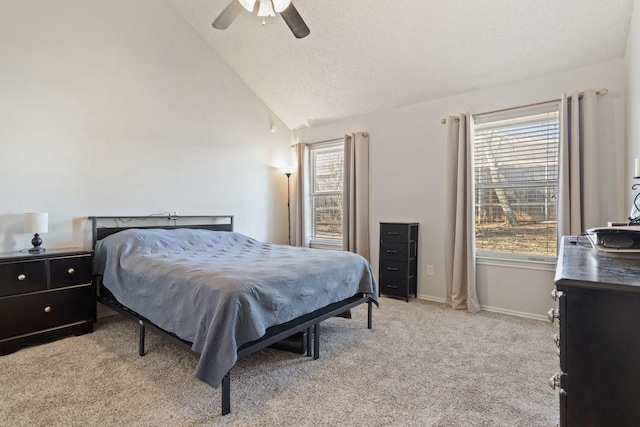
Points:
[(220, 293)]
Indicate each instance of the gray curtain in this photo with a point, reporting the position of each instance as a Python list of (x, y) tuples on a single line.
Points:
[(460, 258), (298, 234), (355, 205), (579, 174)]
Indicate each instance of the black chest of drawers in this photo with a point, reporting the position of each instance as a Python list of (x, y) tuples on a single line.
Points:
[(44, 297), (598, 297), (398, 264)]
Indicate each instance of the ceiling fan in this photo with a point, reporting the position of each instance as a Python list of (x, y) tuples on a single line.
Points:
[(267, 8)]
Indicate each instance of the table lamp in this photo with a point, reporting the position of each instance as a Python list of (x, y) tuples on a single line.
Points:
[(36, 222)]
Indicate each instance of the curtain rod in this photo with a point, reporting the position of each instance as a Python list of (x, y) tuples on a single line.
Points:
[(328, 140), (601, 92), (318, 142)]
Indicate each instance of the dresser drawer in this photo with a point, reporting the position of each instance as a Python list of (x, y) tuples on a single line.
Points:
[(393, 286), (23, 277), (30, 313), (70, 271)]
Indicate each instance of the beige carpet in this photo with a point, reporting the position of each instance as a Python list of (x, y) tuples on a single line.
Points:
[(422, 364)]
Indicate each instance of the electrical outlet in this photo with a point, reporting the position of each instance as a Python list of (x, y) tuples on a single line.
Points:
[(429, 270)]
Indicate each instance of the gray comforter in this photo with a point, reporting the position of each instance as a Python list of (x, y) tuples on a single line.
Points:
[(220, 290)]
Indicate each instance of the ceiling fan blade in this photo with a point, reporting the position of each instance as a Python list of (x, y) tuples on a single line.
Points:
[(228, 15), (295, 22)]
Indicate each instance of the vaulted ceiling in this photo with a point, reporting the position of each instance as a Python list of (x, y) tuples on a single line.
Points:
[(371, 55)]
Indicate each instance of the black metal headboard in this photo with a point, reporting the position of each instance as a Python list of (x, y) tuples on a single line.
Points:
[(103, 226)]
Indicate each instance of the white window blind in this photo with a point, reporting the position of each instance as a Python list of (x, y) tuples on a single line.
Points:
[(326, 190), (516, 180)]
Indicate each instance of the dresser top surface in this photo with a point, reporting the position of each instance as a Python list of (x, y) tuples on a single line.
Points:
[(49, 253), (584, 266)]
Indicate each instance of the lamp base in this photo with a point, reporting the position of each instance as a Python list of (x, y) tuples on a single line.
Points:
[(36, 242)]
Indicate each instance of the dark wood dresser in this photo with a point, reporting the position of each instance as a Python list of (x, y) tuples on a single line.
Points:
[(44, 297), (398, 264), (598, 295)]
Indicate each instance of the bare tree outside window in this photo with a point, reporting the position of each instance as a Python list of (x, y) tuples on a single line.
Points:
[(516, 181), (326, 189)]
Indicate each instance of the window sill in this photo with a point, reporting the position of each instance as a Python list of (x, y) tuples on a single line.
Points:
[(317, 244), (532, 263)]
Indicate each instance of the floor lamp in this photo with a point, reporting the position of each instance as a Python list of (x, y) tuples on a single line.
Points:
[(288, 170)]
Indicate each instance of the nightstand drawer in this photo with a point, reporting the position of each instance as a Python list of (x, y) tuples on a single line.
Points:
[(393, 232), (393, 251), (30, 313), (393, 286), (397, 269), (70, 271), (22, 277)]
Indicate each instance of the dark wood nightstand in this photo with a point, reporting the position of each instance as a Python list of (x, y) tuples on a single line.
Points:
[(44, 296), (398, 272)]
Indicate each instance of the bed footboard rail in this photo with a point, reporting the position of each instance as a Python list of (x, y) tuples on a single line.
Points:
[(280, 332)]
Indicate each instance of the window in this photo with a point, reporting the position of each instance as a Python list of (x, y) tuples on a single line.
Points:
[(326, 180), (516, 181)]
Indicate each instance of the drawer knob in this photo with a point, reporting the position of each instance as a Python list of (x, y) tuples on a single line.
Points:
[(71, 270), (553, 314), (392, 268), (21, 277), (47, 309), (555, 294), (389, 251), (554, 381)]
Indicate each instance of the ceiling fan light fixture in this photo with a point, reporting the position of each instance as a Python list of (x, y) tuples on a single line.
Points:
[(280, 5), (266, 8), (248, 4), (285, 8)]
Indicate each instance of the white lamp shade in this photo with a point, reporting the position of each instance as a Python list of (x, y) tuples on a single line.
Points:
[(288, 169), (248, 4), (280, 5), (36, 222)]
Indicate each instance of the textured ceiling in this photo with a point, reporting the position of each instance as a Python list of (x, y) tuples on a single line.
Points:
[(371, 55)]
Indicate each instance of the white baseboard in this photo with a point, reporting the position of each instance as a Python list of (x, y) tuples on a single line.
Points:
[(430, 298), (493, 309), (104, 311), (515, 313)]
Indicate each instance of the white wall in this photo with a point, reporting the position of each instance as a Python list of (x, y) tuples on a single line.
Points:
[(119, 108), (407, 176)]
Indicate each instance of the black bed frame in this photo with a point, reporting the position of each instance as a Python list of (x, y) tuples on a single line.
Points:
[(274, 334)]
